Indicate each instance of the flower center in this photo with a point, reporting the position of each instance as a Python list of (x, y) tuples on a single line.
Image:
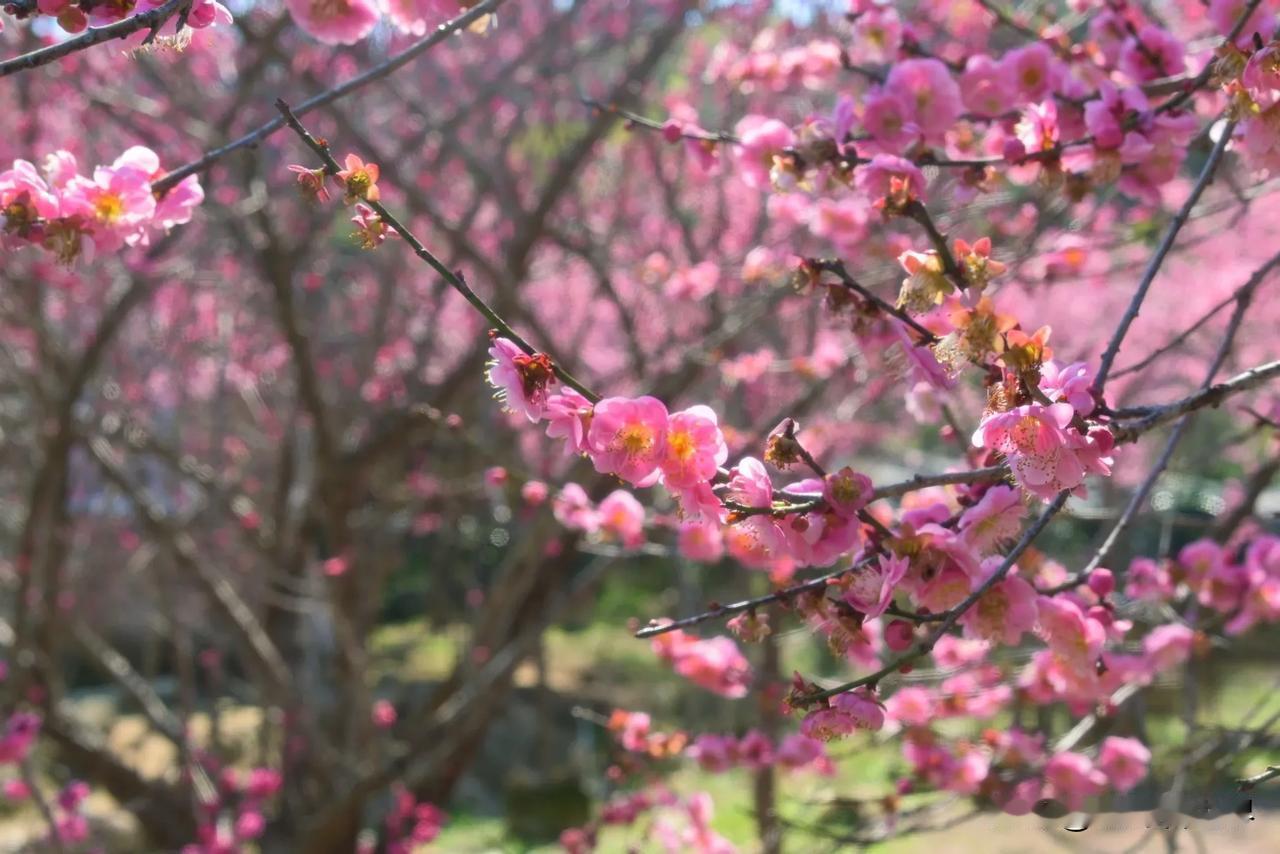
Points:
[(109, 207), (1024, 433), (682, 445), (328, 10), (634, 440), (992, 609)]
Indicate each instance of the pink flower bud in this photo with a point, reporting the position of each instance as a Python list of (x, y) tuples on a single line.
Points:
[(899, 635), (1102, 581)]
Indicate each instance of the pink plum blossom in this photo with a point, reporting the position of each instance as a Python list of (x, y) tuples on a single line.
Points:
[(628, 437)]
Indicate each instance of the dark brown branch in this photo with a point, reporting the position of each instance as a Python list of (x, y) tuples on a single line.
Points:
[(454, 279), (1153, 267), (836, 267), (152, 20)]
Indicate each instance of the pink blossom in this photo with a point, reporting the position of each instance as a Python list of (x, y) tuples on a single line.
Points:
[(1148, 581), (761, 140), (986, 86), (911, 706), (249, 825), (948, 588), (118, 200), (700, 541), (1105, 117), (928, 87), (631, 729), (693, 283), (871, 588), (971, 768), (335, 21), (628, 437), (889, 120), (263, 783), (1031, 69), (797, 751), (899, 635), (19, 735), (572, 508), (846, 492), (1072, 384), (415, 17), (878, 34), (858, 704), (1020, 798), (695, 447), (534, 493), (1161, 54), (1071, 778), (875, 178), (1037, 130), (384, 714), (715, 753), (16, 790), (994, 520), (568, 417), (1124, 761), (714, 663), (700, 502), (827, 725), (1225, 13), (1004, 612), (521, 380), (755, 751), (749, 485), (1033, 437), (622, 516), (1073, 637), (1168, 646)]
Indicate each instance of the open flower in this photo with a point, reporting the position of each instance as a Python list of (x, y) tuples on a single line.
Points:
[(695, 447), (622, 516), (360, 180), (994, 520), (846, 492), (335, 21), (521, 380), (1124, 761), (628, 437), (1034, 439), (871, 588), (1004, 612), (312, 183)]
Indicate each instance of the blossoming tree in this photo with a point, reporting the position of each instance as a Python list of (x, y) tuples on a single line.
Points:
[(862, 302)]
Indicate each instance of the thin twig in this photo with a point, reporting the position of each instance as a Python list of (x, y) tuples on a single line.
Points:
[(378, 72), (454, 280), (152, 20), (1153, 267)]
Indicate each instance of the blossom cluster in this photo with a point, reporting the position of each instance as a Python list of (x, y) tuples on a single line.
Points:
[(714, 663), (1013, 770), (349, 21), (236, 813), (73, 215), (680, 824), (755, 750), (409, 824), (1046, 451), (74, 16), (1241, 585)]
